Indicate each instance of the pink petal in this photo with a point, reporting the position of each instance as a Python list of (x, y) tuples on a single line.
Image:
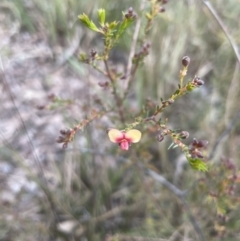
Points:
[(115, 135), (124, 145)]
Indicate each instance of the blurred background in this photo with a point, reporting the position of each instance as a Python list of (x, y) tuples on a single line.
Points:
[(92, 190)]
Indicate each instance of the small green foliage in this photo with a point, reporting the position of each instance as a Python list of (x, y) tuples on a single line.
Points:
[(123, 26), (148, 16), (101, 16), (198, 164), (88, 23), (82, 57), (112, 25), (190, 87)]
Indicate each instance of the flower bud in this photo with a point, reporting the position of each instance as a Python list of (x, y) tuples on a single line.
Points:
[(63, 132), (93, 53), (162, 9), (185, 61), (160, 137), (103, 84), (184, 135), (41, 107), (130, 10), (68, 132), (64, 146), (198, 81), (60, 139)]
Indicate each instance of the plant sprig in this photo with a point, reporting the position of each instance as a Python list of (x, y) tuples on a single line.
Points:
[(112, 31)]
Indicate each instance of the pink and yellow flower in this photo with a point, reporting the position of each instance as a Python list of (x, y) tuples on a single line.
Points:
[(124, 139)]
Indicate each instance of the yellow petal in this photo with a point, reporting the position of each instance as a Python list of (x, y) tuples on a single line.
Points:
[(114, 134), (135, 135)]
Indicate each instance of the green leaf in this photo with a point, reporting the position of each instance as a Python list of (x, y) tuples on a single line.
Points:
[(176, 92), (148, 16), (88, 23), (220, 209), (101, 16), (123, 26), (82, 57), (113, 25), (190, 87), (198, 164)]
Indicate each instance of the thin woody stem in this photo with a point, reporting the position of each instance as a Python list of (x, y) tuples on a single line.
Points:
[(116, 96), (99, 70)]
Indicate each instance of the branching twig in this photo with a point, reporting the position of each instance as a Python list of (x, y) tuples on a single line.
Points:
[(116, 96)]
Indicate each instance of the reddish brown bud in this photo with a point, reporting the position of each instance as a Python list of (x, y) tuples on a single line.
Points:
[(198, 81), (162, 9), (63, 132), (51, 97), (60, 139), (103, 84), (184, 135), (199, 144), (130, 10), (64, 146), (68, 132), (41, 107), (185, 61), (93, 53), (148, 45), (130, 13), (160, 137)]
